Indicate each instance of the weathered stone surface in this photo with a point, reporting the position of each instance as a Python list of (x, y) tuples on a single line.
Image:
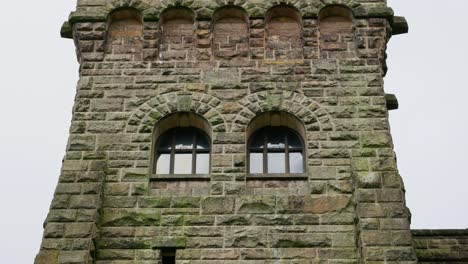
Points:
[(325, 204), (314, 68), (217, 205), (130, 217), (169, 242)]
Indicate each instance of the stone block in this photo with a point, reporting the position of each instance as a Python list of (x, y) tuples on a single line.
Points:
[(325, 204), (130, 217), (300, 240), (82, 142), (256, 205), (73, 257), (78, 230), (169, 242), (217, 205)]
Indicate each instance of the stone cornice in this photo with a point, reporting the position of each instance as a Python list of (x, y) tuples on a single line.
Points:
[(255, 9)]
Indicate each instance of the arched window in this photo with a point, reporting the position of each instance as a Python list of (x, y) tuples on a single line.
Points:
[(183, 150), (276, 149)]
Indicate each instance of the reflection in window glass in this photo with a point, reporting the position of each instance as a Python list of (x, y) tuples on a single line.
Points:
[(202, 142), (183, 164), (165, 142), (184, 139), (275, 140), (278, 141), (276, 163), (294, 141), (203, 163), (187, 149), (256, 163), (296, 162), (257, 141), (163, 164)]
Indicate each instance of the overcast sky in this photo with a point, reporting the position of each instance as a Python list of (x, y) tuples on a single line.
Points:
[(39, 71)]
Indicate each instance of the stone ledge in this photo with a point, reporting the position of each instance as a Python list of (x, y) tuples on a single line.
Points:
[(177, 177), (301, 176), (399, 26), (392, 102), (439, 232)]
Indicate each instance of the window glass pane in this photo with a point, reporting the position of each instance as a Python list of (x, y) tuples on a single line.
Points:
[(257, 141), (296, 162), (294, 141), (203, 163), (202, 141), (183, 164), (275, 138), (184, 139), (276, 162), (163, 164), (256, 163), (165, 142)]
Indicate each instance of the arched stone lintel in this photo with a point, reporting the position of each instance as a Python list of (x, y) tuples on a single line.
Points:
[(151, 112), (314, 117)]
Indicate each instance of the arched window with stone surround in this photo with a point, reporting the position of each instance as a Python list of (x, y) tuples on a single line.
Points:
[(230, 33), (182, 145), (178, 33), (283, 33), (276, 144), (125, 32), (336, 30)]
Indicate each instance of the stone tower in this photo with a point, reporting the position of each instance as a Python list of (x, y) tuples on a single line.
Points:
[(244, 132)]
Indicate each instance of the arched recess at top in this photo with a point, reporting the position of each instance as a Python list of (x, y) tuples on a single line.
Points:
[(336, 19), (151, 112), (283, 32), (177, 26), (125, 31), (336, 28), (205, 9), (230, 37), (313, 116), (283, 21)]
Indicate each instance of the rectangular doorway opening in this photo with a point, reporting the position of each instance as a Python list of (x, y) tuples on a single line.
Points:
[(168, 256)]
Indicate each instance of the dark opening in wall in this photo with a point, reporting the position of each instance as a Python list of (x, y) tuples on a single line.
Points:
[(168, 256)]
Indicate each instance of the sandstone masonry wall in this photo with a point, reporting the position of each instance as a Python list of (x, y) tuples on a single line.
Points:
[(348, 206), (441, 246)]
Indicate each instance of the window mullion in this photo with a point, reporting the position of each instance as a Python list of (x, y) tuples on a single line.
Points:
[(194, 153), (265, 153), (172, 158), (286, 152)]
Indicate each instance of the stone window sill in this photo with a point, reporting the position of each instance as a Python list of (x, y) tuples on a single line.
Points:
[(180, 177), (279, 176)]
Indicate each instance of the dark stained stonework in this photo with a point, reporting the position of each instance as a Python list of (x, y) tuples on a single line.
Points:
[(314, 66)]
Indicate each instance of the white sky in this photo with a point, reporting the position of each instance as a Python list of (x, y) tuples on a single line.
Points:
[(38, 73)]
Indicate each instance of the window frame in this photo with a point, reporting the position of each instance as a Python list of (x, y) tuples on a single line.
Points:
[(286, 150), (173, 151)]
